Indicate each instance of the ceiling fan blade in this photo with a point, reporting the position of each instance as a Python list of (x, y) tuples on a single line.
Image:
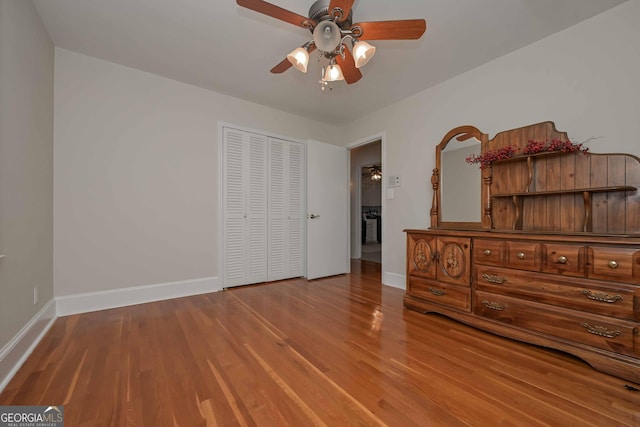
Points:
[(277, 12), (282, 66), (348, 65), (407, 29), (285, 64), (345, 5)]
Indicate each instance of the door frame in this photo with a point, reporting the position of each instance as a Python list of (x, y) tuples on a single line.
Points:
[(383, 159)]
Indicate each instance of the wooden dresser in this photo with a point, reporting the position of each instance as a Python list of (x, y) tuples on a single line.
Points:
[(554, 260)]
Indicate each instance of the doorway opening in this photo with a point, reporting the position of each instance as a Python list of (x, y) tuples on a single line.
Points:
[(366, 201)]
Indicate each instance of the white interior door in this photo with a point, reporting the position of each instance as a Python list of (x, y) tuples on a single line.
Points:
[(327, 210)]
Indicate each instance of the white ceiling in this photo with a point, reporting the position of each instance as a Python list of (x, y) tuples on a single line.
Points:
[(218, 45)]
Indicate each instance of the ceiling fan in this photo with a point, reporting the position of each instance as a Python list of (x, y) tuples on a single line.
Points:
[(331, 24)]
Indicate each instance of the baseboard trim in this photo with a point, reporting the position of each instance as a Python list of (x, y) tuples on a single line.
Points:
[(103, 300), (394, 280), (16, 351)]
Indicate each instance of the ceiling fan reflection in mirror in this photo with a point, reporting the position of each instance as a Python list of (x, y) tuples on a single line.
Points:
[(331, 24)]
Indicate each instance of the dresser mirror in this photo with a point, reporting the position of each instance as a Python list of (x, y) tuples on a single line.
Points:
[(456, 184)]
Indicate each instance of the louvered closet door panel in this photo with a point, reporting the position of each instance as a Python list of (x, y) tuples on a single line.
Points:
[(296, 219), (257, 210), (234, 195), (278, 204)]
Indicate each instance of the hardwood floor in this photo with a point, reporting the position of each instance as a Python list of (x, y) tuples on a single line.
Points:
[(336, 351)]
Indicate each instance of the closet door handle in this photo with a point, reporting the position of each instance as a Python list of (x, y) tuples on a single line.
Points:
[(314, 216)]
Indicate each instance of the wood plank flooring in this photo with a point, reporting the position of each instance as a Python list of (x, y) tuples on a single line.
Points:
[(337, 351)]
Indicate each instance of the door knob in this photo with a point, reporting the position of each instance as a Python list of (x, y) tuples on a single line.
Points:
[(314, 216)]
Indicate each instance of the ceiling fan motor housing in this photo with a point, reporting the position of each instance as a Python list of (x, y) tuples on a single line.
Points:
[(319, 11)]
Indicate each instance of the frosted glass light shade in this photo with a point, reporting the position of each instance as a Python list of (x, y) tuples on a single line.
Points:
[(299, 58), (362, 53), (332, 73), (327, 36)]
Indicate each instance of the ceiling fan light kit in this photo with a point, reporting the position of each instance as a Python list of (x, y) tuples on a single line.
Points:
[(363, 52), (299, 58), (331, 24), (332, 73), (327, 36)]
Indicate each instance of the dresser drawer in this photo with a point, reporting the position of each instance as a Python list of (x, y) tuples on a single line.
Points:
[(489, 252), (616, 300), (523, 255), (611, 263), (563, 259), (589, 329), (450, 295)]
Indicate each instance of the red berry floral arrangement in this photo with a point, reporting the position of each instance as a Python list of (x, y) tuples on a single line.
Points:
[(533, 147)]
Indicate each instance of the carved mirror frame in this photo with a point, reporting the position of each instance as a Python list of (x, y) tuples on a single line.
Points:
[(461, 133)]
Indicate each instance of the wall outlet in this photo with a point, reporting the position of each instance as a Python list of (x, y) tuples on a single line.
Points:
[(35, 295)]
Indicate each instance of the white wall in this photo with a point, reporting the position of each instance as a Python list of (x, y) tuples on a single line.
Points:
[(136, 174), (26, 173), (586, 79)]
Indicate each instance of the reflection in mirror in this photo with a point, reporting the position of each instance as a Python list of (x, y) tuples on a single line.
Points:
[(460, 183)]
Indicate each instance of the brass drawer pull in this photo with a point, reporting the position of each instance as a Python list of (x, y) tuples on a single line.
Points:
[(487, 252), (601, 296), (521, 255), (494, 305), (494, 279), (562, 259), (436, 292), (612, 264), (601, 331)]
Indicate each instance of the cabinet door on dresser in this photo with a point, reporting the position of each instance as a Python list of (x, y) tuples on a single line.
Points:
[(441, 258), (454, 260), (439, 269), (421, 252)]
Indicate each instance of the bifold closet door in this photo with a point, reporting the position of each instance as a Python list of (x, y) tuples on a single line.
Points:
[(263, 207), (286, 209), (245, 225)]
